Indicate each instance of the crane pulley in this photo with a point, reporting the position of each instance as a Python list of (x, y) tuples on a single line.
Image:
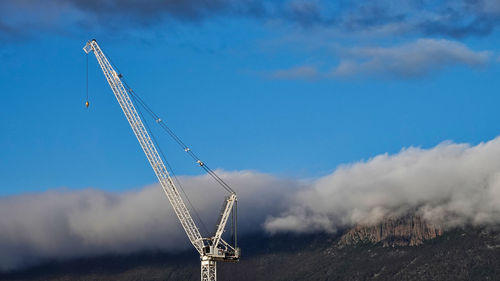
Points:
[(211, 249)]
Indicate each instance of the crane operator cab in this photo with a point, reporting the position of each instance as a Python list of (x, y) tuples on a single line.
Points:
[(223, 252)]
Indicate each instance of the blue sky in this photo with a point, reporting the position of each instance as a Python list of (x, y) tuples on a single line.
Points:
[(291, 88)]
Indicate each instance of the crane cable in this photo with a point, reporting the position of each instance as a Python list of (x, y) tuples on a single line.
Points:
[(158, 120), (158, 147), (178, 140), (153, 138), (172, 134), (87, 83)]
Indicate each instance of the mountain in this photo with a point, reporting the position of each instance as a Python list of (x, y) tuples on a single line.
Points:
[(405, 248), (408, 230)]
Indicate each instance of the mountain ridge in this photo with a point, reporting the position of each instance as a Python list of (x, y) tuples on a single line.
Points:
[(467, 253)]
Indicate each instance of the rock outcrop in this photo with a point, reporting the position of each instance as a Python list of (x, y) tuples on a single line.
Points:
[(409, 230)]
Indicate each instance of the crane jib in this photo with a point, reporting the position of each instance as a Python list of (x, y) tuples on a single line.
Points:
[(210, 249)]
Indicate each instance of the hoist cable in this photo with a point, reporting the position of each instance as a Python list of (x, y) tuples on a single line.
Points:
[(182, 144), (158, 120), (178, 140), (87, 83), (87, 78), (142, 104), (153, 138)]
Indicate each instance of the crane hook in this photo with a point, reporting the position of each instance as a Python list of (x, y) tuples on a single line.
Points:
[(87, 104)]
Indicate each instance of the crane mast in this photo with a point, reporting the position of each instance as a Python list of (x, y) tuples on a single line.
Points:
[(211, 249)]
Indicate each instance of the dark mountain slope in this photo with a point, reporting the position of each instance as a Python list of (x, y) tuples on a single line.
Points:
[(460, 254)]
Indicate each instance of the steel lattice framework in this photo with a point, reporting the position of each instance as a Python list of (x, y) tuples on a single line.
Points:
[(210, 249)]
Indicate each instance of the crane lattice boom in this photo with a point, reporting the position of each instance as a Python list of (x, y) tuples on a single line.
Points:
[(210, 249)]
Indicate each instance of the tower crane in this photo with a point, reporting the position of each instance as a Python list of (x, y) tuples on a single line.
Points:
[(211, 249)]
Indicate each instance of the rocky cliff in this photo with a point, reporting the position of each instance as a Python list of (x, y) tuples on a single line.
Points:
[(409, 230)]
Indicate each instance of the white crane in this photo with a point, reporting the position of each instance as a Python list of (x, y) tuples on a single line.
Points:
[(211, 249)]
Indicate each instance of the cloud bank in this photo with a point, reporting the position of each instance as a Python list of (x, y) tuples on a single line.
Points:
[(450, 184), (67, 223)]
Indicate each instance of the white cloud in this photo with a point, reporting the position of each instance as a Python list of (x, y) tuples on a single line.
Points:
[(68, 223), (450, 184)]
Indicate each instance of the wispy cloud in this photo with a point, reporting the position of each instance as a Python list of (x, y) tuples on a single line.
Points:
[(410, 60), (301, 72)]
